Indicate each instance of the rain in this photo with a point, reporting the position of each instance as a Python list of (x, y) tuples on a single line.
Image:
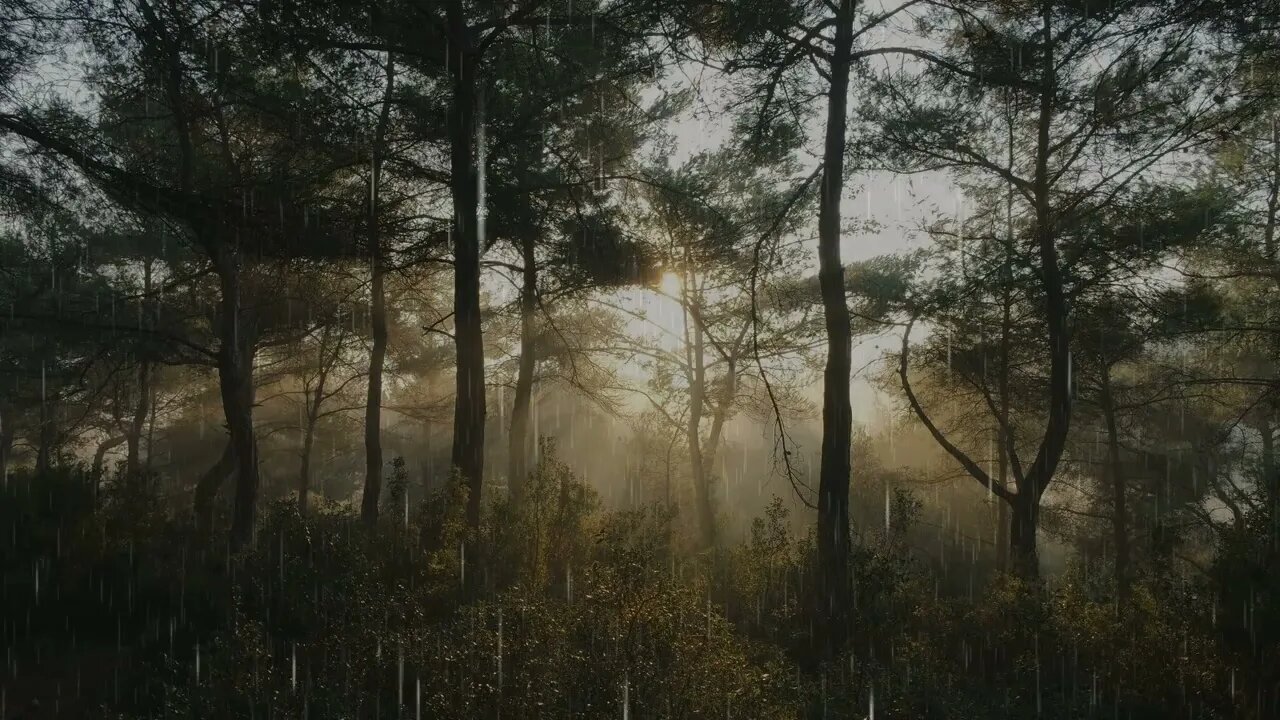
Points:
[(645, 359)]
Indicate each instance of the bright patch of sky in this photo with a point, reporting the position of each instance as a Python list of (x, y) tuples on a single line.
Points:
[(881, 212)]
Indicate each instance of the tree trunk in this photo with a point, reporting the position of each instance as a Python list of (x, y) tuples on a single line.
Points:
[(151, 430), (133, 458), (44, 450), (521, 406), (99, 455), (235, 381), (701, 484), (1273, 195), (1002, 536), (1004, 439), (44, 439), (1271, 481), (697, 378), (1119, 514), (373, 403), (1023, 524), (309, 429), (1041, 472), (209, 484), (721, 409), (6, 446), (467, 453), (707, 454), (378, 318), (304, 471), (833, 597)]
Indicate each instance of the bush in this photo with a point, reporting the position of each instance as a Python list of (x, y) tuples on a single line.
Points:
[(571, 612), (580, 614)]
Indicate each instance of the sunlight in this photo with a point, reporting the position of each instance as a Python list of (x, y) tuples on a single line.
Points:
[(640, 360), (670, 284)]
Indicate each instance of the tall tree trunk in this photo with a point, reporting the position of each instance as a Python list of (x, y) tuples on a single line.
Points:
[(1040, 474), (304, 471), (708, 453), (698, 467), (833, 597), (44, 442), (378, 318), (142, 408), (1115, 469), (666, 488), (151, 427), (695, 361), (100, 455), (373, 403), (1270, 475), (521, 406), (1273, 195), (6, 447), (1271, 481), (208, 485), (1024, 522), (1005, 438), (235, 381), (1002, 535), (1002, 507), (45, 435), (1003, 445), (312, 403), (467, 453)]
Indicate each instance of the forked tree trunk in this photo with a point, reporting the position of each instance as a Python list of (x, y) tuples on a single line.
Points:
[(1026, 510)]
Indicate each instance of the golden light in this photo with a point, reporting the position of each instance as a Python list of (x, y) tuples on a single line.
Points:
[(670, 284)]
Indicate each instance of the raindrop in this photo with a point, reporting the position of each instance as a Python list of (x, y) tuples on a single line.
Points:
[(626, 697)]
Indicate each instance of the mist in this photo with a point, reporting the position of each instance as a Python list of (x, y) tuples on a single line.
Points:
[(645, 359)]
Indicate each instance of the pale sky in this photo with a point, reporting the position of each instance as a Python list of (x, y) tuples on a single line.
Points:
[(897, 203)]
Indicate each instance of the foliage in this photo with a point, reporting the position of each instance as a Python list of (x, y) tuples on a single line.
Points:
[(323, 228)]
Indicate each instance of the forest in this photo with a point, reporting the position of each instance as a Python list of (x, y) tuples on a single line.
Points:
[(640, 359)]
